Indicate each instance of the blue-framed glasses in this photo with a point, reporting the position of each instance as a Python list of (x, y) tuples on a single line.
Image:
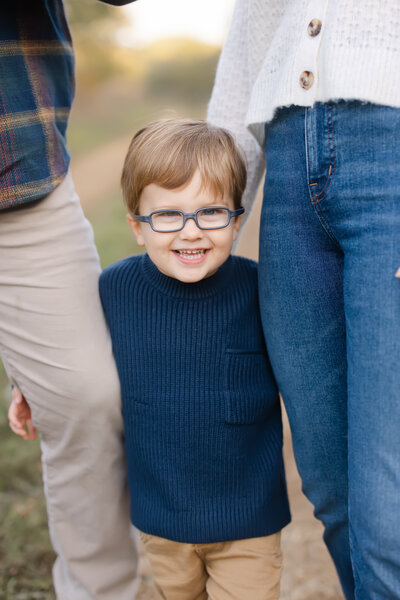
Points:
[(210, 217)]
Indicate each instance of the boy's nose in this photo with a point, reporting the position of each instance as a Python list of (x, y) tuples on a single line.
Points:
[(191, 230)]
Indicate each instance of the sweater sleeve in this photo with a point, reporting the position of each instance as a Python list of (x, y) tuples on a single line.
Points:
[(231, 96)]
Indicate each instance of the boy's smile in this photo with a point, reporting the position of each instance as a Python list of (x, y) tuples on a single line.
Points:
[(193, 257), (190, 254)]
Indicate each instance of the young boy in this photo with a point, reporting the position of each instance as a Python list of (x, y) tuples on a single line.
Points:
[(201, 409)]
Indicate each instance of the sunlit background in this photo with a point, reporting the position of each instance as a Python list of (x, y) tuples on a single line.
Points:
[(206, 21), (153, 58)]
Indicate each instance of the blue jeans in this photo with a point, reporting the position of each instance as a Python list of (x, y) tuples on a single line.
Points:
[(330, 302)]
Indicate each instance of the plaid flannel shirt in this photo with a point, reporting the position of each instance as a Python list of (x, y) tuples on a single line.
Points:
[(36, 92), (37, 83)]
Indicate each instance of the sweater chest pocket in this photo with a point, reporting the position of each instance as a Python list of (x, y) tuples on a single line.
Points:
[(250, 389)]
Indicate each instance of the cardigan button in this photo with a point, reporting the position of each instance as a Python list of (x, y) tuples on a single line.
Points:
[(314, 27), (306, 80)]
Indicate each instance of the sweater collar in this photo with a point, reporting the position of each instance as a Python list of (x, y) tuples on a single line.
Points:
[(173, 287)]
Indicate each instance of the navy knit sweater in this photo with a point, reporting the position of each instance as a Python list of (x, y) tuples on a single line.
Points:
[(201, 411)]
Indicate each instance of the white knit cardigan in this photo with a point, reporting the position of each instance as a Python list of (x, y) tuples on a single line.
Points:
[(356, 55)]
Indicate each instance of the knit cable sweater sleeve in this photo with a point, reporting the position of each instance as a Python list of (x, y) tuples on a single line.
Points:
[(231, 96)]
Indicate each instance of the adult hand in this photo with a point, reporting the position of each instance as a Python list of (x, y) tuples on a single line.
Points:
[(20, 417)]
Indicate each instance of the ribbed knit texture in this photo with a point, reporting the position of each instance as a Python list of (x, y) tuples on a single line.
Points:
[(201, 410), (355, 57)]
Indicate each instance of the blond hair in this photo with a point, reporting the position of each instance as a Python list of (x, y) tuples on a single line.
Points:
[(169, 151)]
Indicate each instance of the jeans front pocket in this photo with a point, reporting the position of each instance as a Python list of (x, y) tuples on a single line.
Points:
[(250, 389)]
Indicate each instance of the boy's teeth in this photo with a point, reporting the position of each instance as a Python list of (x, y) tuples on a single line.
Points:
[(191, 253)]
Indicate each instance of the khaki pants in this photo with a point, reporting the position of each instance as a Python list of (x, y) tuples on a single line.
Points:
[(247, 569), (56, 348)]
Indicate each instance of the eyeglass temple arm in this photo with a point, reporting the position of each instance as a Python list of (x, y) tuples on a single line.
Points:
[(237, 211)]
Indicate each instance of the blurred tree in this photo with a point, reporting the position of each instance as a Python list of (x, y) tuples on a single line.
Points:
[(90, 18), (172, 68), (94, 28), (182, 68)]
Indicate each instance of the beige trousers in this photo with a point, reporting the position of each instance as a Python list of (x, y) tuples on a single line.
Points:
[(247, 569), (56, 348)]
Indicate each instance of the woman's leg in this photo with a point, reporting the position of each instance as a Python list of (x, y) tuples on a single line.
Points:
[(301, 297), (350, 165), (363, 209)]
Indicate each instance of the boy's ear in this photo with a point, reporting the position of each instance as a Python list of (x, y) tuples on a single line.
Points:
[(236, 226), (135, 227)]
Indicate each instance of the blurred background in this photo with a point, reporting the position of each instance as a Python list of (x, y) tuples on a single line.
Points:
[(148, 60)]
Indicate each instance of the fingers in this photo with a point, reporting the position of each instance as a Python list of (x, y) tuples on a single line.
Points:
[(15, 415), (19, 411), (398, 273), (24, 428), (31, 429), (17, 427), (19, 416)]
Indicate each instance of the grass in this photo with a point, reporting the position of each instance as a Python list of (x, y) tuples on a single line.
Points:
[(26, 555)]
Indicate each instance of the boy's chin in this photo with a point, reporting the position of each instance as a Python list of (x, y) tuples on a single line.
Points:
[(190, 279), (194, 277)]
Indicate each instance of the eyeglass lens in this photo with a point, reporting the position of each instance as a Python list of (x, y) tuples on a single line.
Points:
[(207, 218)]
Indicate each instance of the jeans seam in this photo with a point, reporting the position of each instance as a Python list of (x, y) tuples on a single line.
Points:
[(326, 226), (315, 205), (317, 198)]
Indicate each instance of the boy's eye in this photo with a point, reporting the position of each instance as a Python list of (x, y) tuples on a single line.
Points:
[(167, 220), (213, 212), (167, 215), (213, 217), (209, 212)]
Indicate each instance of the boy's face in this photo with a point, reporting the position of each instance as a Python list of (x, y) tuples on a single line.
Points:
[(172, 253)]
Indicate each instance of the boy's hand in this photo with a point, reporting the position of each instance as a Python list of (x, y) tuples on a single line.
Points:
[(20, 417), (398, 273)]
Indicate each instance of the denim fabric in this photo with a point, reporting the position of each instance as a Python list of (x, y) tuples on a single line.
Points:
[(330, 303)]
